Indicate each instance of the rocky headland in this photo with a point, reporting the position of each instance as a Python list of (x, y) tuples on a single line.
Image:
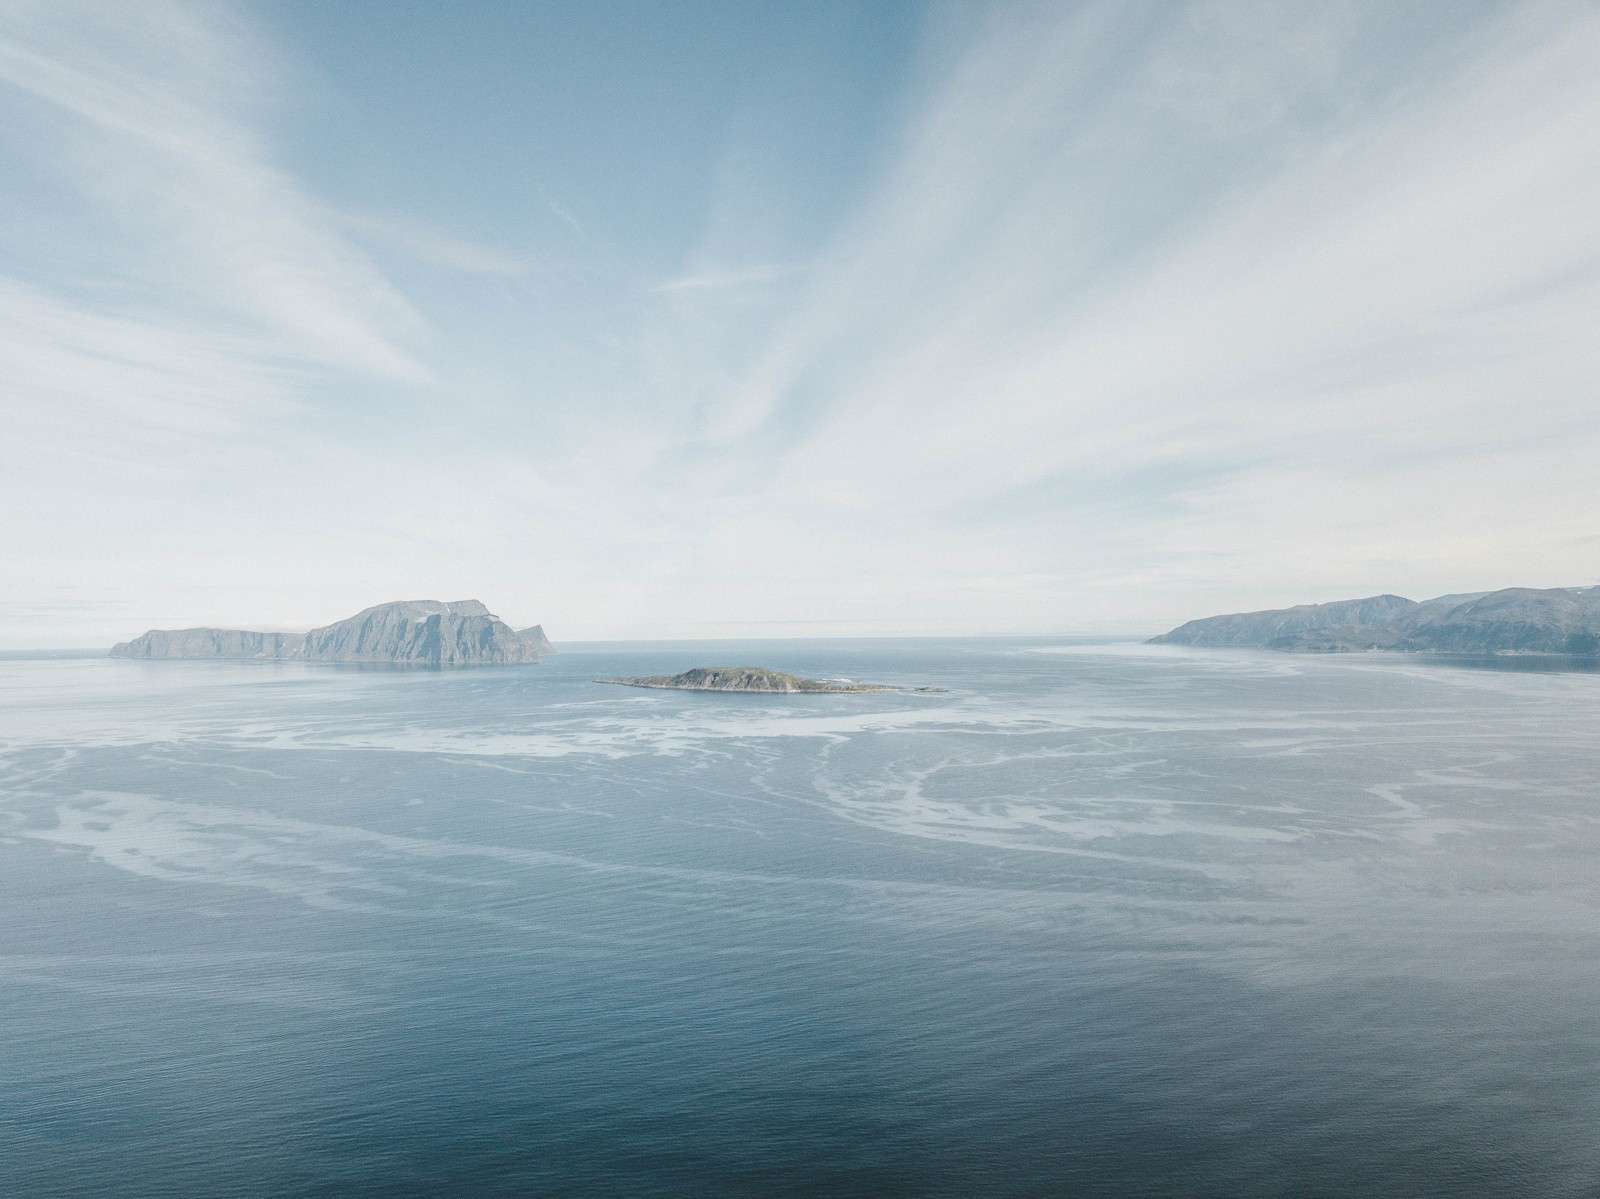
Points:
[(1562, 621), (535, 636), (407, 632), (742, 678)]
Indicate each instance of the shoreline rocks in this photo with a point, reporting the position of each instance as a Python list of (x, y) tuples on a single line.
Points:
[(756, 679)]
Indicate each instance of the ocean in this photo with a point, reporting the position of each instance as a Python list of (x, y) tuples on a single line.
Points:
[(1101, 919)]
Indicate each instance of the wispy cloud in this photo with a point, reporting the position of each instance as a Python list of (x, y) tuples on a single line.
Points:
[(725, 280), (124, 387), (565, 215), (1223, 263), (435, 247), (151, 106), (1145, 311), (180, 305)]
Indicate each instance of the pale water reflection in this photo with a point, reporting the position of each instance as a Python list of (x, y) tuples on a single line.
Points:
[(1098, 921)]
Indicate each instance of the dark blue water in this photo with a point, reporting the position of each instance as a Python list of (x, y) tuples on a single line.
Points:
[(1098, 921)]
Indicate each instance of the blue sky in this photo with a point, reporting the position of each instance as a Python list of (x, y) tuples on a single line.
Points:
[(814, 319)]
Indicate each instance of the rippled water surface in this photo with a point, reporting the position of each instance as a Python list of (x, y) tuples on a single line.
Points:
[(1098, 920)]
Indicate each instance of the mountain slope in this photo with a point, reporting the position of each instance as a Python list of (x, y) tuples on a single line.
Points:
[(211, 643), (1260, 628), (1515, 620)]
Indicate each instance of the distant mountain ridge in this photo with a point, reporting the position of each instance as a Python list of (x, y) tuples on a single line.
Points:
[(1515, 620), (405, 632), (1261, 628)]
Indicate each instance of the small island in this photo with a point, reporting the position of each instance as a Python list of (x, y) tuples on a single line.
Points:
[(742, 678)]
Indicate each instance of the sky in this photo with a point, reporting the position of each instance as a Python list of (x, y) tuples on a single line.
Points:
[(791, 319)]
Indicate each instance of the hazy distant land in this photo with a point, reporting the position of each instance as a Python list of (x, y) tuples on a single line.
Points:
[(406, 632), (1516, 620), (1555, 621)]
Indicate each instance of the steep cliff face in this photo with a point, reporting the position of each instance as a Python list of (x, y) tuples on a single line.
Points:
[(423, 633), (535, 637), (408, 632), (211, 643)]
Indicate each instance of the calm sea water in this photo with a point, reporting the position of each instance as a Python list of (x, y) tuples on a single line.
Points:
[(1101, 920)]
